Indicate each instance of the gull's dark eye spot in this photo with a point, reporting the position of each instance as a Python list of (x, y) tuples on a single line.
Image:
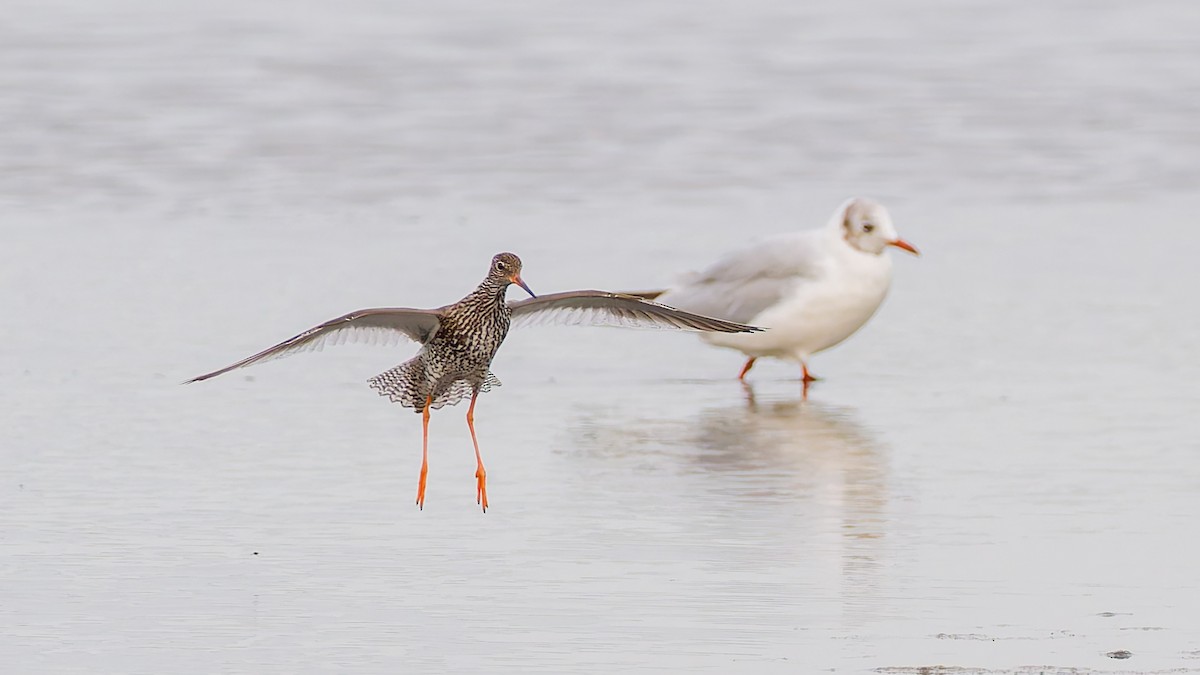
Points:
[(868, 228)]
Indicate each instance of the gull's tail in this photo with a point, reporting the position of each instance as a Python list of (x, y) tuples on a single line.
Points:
[(645, 295)]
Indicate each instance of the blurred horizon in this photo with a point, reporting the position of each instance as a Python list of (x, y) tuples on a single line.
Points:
[(226, 107)]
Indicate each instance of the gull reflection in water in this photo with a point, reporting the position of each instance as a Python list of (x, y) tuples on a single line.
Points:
[(800, 478), (792, 448)]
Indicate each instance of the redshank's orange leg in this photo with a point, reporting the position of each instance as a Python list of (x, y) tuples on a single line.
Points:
[(480, 473), (424, 452), (746, 368)]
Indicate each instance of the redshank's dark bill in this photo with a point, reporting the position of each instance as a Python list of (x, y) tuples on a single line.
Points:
[(458, 343)]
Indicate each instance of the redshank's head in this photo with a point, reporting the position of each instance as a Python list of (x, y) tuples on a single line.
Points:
[(506, 268), (867, 227)]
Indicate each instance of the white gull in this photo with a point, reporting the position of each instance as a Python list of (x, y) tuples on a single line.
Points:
[(812, 289)]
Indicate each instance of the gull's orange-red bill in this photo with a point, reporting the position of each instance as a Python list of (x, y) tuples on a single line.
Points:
[(900, 243)]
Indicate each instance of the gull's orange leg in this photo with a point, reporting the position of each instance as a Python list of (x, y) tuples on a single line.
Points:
[(424, 452), (746, 368), (480, 474), (808, 377)]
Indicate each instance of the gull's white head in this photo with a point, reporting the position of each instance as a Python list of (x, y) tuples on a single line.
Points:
[(866, 226)]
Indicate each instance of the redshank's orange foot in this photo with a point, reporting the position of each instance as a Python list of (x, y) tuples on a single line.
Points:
[(421, 489), (481, 488)]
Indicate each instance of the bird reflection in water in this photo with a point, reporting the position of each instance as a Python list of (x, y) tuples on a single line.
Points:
[(798, 450), (801, 479)]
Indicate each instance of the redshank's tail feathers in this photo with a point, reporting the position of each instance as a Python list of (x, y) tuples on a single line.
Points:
[(406, 384)]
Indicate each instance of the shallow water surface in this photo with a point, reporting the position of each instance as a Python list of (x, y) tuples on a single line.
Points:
[(999, 474)]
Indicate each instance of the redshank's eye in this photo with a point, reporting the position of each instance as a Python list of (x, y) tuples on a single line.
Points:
[(500, 265), (868, 228)]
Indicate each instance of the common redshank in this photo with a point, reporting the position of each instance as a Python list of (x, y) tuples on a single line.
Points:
[(458, 343), (813, 289)]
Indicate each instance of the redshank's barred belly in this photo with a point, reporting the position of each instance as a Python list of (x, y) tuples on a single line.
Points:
[(454, 363)]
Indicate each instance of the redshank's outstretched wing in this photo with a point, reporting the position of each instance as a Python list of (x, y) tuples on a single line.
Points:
[(383, 325), (601, 308)]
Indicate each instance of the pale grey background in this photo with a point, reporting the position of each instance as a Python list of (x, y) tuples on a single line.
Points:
[(1000, 471)]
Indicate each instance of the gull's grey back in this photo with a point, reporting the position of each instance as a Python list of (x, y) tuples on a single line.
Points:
[(743, 284)]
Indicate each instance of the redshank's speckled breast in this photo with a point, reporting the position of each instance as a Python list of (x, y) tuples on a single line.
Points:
[(455, 362)]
